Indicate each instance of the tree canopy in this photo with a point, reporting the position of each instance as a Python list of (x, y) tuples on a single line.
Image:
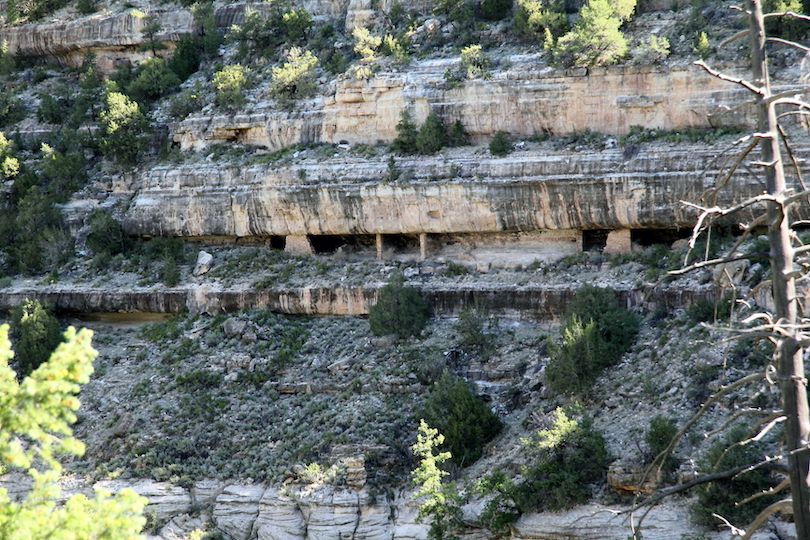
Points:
[(35, 418)]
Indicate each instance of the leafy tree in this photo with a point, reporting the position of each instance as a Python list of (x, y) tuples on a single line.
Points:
[(89, 99), (86, 7), (595, 334), (154, 79), (466, 422), (533, 18), (228, 84), (293, 79), (35, 418), (366, 45), (123, 128), (457, 135), (565, 461), (12, 12), (12, 108), (570, 456), (594, 40), (37, 332), (185, 60), (296, 24), (440, 501), (399, 310), (723, 496), (659, 435), (495, 10), (432, 136), (500, 144), (52, 106), (263, 35), (204, 18), (150, 30), (106, 234), (474, 63), (405, 143), (9, 164)]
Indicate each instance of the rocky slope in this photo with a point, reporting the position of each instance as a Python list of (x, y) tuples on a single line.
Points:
[(246, 423)]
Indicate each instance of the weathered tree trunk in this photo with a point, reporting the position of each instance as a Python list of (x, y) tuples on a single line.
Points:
[(788, 354)]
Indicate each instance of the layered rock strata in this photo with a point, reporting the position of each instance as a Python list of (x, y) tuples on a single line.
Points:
[(525, 99), (526, 192), (531, 301), (112, 37)]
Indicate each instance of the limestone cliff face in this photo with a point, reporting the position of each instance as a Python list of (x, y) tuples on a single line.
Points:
[(526, 191), (111, 36), (534, 301), (522, 100), (319, 511)]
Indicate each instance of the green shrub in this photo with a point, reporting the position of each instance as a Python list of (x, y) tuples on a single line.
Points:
[(185, 60), (474, 63), (570, 457), (263, 35), (123, 129), (457, 135), (466, 422), (456, 269), (722, 496), (533, 18), (704, 310), (189, 100), (86, 7), (594, 40), (567, 460), (659, 434), (405, 143), (150, 30), (37, 332), (787, 27), (399, 310), (471, 329), (595, 333), (153, 79), (228, 84), (52, 107), (12, 108), (495, 10), (432, 136), (170, 272), (293, 79), (198, 379), (106, 234), (501, 144)]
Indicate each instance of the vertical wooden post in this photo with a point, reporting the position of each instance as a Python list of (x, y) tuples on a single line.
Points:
[(379, 240)]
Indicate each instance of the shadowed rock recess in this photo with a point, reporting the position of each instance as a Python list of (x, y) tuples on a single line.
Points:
[(245, 394)]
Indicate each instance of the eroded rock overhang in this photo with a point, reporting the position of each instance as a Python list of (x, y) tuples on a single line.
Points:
[(527, 191)]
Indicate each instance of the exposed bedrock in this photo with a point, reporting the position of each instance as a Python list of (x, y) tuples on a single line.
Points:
[(111, 37), (532, 301), (524, 192), (524, 99)]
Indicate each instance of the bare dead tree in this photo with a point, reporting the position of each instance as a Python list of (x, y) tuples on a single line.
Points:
[(785, 328)]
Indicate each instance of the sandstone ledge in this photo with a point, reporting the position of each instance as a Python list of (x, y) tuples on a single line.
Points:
[(533, 302)]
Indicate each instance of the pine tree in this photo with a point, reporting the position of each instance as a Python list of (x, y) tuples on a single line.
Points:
[(405, 143), (35, 418), (432, 135), (595, 39)]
